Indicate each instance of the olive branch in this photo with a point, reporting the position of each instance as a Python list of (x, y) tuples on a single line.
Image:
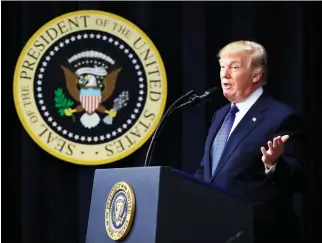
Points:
[(62, 103)]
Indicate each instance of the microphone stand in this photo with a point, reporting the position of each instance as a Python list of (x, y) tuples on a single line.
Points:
[(156, 133)]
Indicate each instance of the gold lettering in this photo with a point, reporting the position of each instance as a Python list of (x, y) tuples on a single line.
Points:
[(129, 140), (40, 45), (121, 29), (101, 22), (155, 83), (144, 125), (149, 64), (110, 152), (60, 145), (70, 148), (135, 132), (148, 114), (155, 71), (62, 27), (32, 116), (155, 96), (28, 65), (147, 52), (24, 74), (85, 19), (33, 54), (25, 96), (138, 46)]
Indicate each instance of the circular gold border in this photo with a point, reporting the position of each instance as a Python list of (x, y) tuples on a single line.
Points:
[(130, 216), (72, 159)]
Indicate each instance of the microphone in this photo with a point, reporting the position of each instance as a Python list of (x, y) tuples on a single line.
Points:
[(192, 100), (235, 237), (195, 99)]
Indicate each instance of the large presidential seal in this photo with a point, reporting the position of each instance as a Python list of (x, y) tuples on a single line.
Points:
[(90, 87), (119, 211)]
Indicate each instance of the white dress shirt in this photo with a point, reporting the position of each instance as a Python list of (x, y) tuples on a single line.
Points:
[(243, 108)]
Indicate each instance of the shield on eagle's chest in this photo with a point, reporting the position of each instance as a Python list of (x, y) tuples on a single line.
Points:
[(90, 99)]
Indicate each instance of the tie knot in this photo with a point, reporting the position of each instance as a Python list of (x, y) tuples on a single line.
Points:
[(233, 109)]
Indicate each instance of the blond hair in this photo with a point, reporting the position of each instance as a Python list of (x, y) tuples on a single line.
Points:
[(258, 55)]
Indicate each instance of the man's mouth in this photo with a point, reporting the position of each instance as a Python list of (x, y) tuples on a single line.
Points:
[(226, 85)]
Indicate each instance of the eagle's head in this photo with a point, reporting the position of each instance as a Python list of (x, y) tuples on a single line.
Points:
[(119, 207), (88, 81)]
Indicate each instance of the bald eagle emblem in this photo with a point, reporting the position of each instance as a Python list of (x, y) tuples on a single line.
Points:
[(92, 84), (119, 212)]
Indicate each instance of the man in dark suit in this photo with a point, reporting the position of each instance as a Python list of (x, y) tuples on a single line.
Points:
[(254, 147)]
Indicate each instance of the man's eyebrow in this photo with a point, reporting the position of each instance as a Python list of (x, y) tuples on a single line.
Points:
[(232, 62)]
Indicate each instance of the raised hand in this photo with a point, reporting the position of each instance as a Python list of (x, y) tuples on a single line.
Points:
[(275, 150)]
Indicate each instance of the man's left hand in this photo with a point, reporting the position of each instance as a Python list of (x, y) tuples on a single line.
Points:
[(275, 150)]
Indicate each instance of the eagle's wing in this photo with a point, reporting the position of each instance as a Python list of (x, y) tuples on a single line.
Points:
[(109, 84), (71, 82)]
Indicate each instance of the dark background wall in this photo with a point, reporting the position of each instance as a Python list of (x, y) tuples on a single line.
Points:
[(47, 200)]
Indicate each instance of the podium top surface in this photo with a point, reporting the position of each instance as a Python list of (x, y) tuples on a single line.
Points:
[(157, 170)]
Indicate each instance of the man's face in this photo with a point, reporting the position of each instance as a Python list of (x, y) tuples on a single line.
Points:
[(237, 79)]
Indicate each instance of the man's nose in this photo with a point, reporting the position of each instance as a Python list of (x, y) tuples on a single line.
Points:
[(225, 73)]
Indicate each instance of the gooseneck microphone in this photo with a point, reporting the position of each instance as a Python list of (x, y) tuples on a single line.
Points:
[(193, 99)]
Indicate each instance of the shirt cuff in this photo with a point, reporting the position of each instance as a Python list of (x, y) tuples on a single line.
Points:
[(270, 170)]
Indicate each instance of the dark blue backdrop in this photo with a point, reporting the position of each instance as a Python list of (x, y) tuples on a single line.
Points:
[(48, 200)]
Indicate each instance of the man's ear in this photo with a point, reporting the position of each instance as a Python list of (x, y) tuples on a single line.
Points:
[(257, 75)]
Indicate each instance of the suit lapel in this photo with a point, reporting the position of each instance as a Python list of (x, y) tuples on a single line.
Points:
[(251, 119)]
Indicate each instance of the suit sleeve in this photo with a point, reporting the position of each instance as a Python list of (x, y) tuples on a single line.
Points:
[(290, 168)]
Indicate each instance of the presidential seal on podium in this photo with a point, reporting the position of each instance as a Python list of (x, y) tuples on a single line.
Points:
[(119, 211)]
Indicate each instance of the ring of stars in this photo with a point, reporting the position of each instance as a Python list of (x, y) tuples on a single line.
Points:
[(44, 109)]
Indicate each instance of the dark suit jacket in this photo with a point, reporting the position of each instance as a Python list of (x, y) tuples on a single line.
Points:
[(241, 171)]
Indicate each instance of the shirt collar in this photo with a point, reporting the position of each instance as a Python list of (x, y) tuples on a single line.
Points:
[(246, 104)]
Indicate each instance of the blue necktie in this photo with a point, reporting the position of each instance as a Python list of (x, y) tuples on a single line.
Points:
[(222, 137)]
